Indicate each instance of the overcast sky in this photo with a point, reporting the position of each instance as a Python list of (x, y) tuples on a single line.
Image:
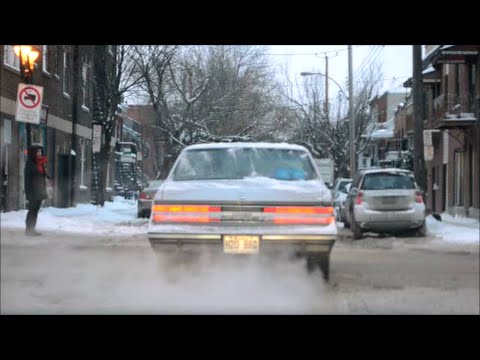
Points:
[(395, 62)]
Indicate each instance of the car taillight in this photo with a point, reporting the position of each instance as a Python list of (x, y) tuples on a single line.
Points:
[(418, 197), (144, 196), (358, 199), (306, 215), (185, 208), (299, 210), (184, 213), (305, 221), (183, 219)]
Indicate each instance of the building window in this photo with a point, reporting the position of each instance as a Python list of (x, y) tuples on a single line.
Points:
[(82, 169), (66, 70), (472, 175), (57, 60), (10, 58), (86, 92), (459, 176), (471, 86), (45, 62), (457, 81)]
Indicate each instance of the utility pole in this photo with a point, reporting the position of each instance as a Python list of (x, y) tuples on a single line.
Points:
[(419, 160), (351, 114), (326, 88)]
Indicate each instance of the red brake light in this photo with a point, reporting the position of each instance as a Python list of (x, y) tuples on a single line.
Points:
[(185, 208), (299, 210), (418, 197), (184, 213), (144, 196), (183, 219), (358, 199), (305, 220)]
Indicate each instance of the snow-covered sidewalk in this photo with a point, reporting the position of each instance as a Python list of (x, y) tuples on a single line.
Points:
[(117, 217), (454, 229), (120, 218)]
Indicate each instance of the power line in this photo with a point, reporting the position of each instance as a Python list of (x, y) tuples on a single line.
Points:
[(372, 51), (368, 61), (315, 53), (356, 81)]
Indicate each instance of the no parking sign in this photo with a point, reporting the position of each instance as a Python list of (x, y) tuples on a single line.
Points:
[(29, 103)]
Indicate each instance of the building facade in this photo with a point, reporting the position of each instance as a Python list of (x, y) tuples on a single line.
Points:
[(451, 87), (66, 74)]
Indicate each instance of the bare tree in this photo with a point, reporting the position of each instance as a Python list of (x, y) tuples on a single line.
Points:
[(326, 135), (208, 93), (114, 74)]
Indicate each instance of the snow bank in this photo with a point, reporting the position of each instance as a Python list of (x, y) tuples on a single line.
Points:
[(119, 216), (460, 230)]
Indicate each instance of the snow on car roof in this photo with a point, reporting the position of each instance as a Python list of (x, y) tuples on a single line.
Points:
[(246, 145), (386, 170)]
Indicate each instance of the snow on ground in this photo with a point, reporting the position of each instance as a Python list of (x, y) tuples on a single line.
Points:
[(454, 229), (117, 217), (120, 218)]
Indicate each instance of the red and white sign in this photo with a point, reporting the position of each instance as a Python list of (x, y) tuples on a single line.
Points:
[(29, 103)]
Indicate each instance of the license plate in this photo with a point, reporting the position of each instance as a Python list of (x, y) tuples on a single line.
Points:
[(389, 200), (241, 244)]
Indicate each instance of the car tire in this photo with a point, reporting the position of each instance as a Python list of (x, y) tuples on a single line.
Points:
[(143, 214), (422, 230), (321, 261)]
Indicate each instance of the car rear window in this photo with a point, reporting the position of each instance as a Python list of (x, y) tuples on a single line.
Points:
[(386, 181), (238, 163)]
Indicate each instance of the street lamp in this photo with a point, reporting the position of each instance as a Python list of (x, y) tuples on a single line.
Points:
[(27, 58), (306, 73)]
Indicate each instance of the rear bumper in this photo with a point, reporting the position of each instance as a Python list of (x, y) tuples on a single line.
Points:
[(304, 244), (389, 220)]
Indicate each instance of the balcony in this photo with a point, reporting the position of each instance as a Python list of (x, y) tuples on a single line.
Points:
[(448, 113)]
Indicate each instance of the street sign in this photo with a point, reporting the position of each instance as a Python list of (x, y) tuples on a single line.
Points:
[(96, 138), (428, 152), (29, 103), (427, 137)]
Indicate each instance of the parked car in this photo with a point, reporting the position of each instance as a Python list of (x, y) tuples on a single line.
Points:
[(245, 198), (339, 194), (385, 200), (145, 198)]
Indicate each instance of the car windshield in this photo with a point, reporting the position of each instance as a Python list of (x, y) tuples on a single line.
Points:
[(386, 181), (238, 163)]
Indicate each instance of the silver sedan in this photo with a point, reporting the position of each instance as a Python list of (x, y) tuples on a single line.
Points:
[(245, 198)]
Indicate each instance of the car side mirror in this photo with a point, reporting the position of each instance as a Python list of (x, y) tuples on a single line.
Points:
[(353, 191)]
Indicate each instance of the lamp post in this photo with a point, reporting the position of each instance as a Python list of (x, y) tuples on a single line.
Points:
[(350, 111), (306, 73), (27, 58)]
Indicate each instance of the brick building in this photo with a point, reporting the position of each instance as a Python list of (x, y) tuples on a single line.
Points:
[(152, 152), (57, 69), (451, 86)]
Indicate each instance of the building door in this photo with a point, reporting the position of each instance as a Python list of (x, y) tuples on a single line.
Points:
[(459, 178), (434, 191), (64, 181), (444, 188)]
